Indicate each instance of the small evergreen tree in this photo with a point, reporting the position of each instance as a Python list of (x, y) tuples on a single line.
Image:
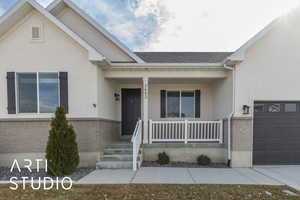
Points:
[(61, 152)]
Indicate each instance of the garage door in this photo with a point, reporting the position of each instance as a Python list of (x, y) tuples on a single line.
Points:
[(276, 133)]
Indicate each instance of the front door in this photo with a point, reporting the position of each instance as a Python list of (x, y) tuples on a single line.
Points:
[(131, 110)]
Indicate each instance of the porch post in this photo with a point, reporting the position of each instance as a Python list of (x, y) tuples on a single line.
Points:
[(145, 109)]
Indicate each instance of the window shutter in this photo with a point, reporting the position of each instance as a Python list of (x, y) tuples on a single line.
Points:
[(11, 93), (64, 96), (163, 103), (197, 103)]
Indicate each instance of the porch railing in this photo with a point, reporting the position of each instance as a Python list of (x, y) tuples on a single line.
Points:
[(186, 131), (136, 141)]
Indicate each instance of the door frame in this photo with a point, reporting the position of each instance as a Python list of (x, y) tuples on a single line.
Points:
[(121, 108)]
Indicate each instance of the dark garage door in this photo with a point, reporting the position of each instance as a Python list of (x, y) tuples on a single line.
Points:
[(276, 133)]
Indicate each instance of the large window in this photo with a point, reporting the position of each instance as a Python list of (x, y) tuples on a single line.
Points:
[(180, 104), (37, 92)]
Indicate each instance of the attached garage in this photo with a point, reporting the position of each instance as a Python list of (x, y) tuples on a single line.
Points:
[(276, 132)]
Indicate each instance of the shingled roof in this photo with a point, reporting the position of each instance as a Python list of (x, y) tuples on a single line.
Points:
[(183, 57)]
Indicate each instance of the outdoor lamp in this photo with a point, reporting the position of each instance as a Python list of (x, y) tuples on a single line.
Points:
[(246, 109), (117, 96)]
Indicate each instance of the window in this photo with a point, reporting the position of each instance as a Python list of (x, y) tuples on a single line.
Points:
[(48, 92), (274, 108), (173, 104), (180, 104), (258, 108), (37, 92), (187, 104), (290, 107), (27, 93)]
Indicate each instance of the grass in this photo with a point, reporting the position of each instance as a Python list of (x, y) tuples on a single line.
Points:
[(151, 192)]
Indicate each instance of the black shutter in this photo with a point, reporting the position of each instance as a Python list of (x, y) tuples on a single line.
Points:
[(163, 103), (11, 93), (64, 96), (197, 103)]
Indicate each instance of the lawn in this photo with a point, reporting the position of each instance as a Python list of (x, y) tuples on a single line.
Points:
[(152, 192)]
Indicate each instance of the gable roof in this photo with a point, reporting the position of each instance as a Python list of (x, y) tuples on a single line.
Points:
[(23, 7), (239, 54), (183, 57), (56, 6)]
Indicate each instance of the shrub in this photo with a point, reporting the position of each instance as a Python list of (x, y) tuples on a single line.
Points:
[(203, 160), (62, 151), (163, 159)]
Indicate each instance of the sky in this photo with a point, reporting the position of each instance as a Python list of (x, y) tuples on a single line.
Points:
[(177, 25)]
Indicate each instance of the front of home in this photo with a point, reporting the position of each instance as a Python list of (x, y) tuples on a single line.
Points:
[(240, 108)]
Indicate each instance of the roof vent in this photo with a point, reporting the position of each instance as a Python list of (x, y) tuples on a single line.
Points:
[(36, 33)]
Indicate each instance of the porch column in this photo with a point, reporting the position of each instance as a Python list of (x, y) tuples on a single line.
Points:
[(145, 108)]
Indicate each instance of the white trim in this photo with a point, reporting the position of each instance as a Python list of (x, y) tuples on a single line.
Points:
[(101, 29), (168, 65)]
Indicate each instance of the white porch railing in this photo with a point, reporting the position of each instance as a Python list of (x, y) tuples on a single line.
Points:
[(186, 131), (136, 141)]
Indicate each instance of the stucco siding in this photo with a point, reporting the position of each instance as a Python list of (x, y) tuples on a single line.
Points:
[(91, 35), (206, 106), (271, 69), (57, 52), (107, 105), (223, 97)]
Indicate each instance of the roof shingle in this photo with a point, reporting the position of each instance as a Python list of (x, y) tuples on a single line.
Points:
[(183, 57)]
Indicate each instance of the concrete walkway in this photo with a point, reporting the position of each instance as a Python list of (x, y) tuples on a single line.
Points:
[(151, 175), (287, 175)]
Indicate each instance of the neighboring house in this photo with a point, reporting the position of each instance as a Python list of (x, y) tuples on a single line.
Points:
[(240, 108)]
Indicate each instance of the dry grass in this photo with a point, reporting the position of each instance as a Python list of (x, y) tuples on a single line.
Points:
[(151, 192)]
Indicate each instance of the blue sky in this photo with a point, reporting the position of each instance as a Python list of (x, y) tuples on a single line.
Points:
[(176, 25)]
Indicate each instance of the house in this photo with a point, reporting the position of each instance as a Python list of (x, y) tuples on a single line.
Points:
[(241, 108)]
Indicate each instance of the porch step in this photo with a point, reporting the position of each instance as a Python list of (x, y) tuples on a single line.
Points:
[(117, 146), (117, 156), (109, 151)]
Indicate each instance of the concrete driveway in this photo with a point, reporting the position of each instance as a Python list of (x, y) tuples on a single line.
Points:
[(287, 175), (156, 175)]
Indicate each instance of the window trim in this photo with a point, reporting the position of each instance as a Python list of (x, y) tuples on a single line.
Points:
[(38, 90), (180, 103)]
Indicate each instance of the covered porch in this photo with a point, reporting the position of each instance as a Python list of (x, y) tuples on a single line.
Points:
[(173, 106)]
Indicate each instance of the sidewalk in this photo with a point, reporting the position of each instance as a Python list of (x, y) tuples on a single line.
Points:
[(155, 175)]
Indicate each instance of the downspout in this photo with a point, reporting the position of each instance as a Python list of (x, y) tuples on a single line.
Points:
[(231, 114)]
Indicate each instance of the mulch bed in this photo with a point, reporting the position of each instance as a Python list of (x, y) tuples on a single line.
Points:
[(5, 173), (153, 192), (184, 165)]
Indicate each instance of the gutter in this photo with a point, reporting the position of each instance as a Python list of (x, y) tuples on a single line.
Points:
[(231, 114), (165, 65)]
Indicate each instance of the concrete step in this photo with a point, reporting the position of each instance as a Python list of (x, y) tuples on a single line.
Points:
[(119, 157), (109, 151), (114, 165), (118, 146)]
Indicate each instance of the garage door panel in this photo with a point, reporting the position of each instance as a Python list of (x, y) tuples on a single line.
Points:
[(276, 137)]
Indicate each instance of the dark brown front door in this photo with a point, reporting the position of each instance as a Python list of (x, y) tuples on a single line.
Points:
[(131, 110)]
